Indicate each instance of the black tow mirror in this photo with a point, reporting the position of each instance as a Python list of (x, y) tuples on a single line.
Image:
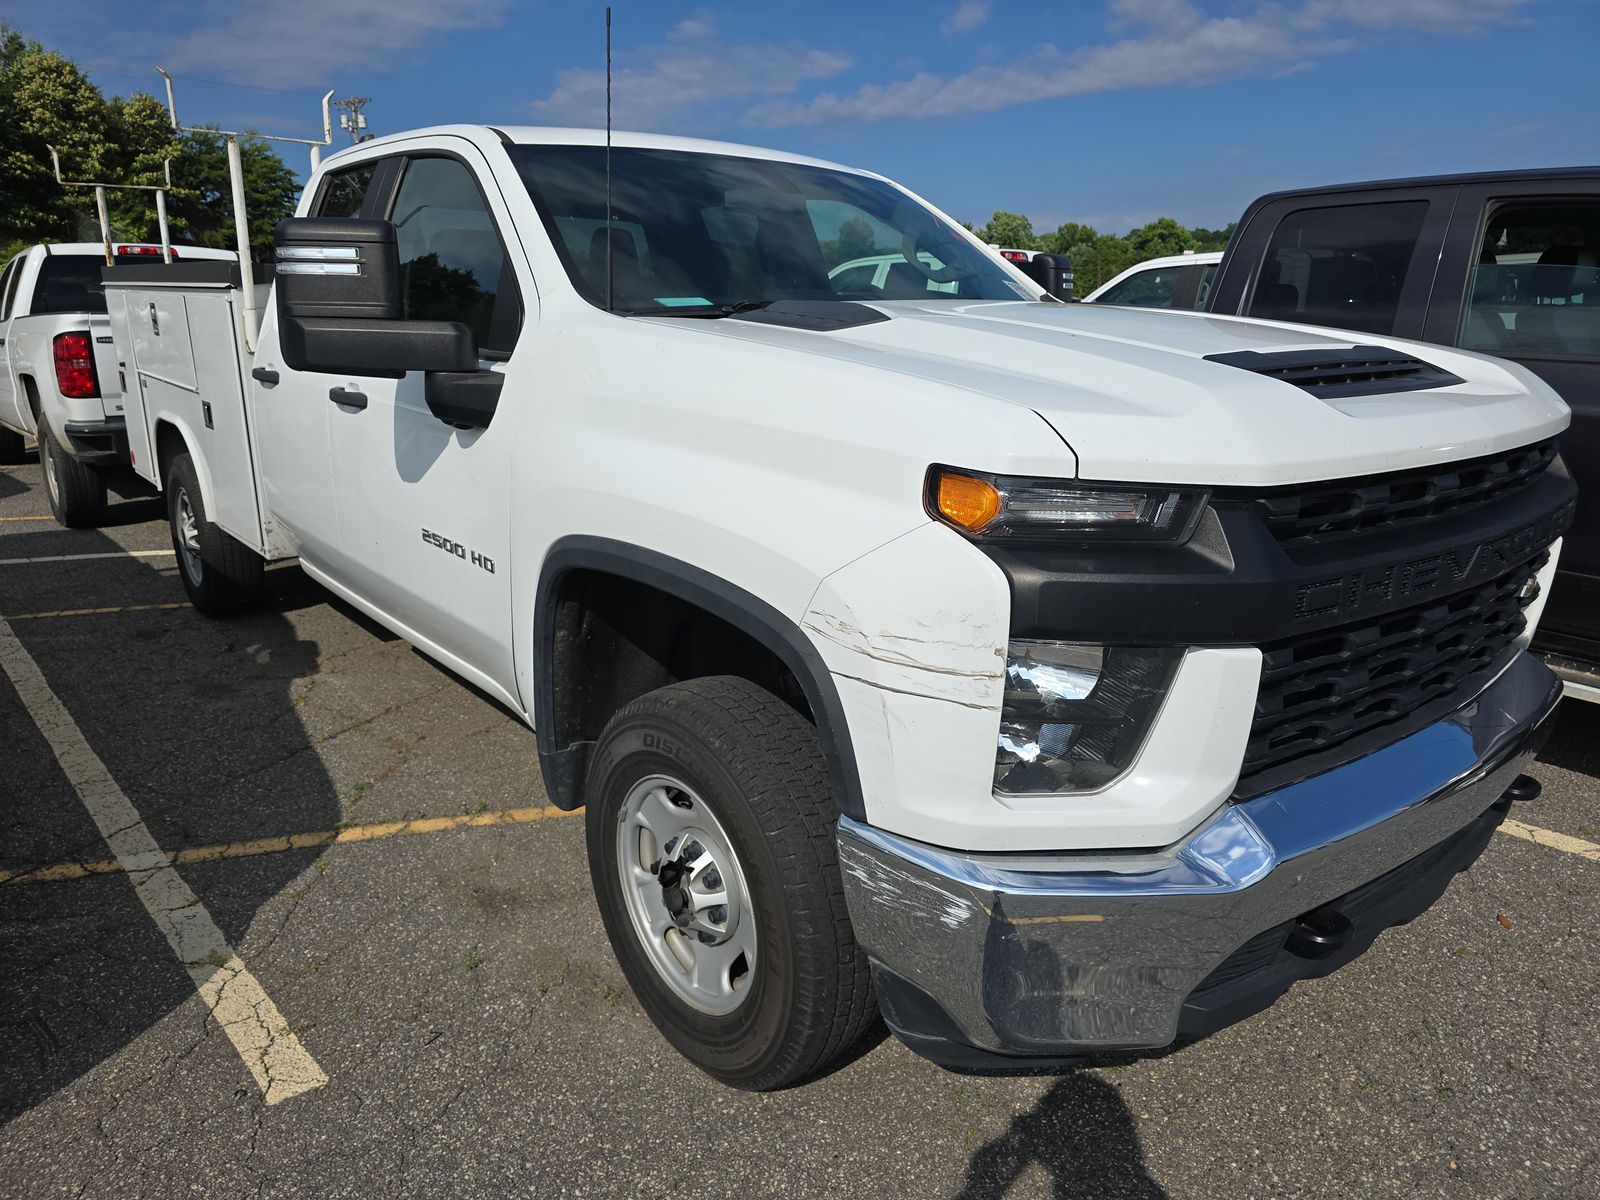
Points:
[(340, 305), (1052, 272)]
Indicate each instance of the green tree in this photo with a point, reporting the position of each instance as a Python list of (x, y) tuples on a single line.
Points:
[(1213, 239), (145, 139), (1160, 238), (48, 101), (45, 99), (1011, 230), (202, 205)]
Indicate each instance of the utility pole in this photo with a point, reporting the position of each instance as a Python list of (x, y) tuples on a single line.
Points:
[(354, 120)]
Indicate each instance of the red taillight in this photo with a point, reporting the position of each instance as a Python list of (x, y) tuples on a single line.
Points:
[(75, 374), (142, 251), (1015, 255)]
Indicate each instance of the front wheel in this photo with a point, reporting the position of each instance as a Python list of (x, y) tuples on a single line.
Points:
[(77, 492), (220, 575), (710, 830)]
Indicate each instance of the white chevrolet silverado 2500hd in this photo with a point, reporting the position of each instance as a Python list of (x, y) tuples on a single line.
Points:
[(1054, 678), (58, 371)]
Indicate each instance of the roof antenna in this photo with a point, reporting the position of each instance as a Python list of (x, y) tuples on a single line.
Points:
[(609, 233)]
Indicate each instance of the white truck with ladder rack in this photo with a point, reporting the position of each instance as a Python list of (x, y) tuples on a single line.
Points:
[(1049, 678)]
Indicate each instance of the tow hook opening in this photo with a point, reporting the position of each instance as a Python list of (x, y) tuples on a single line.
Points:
[(1319, 933)]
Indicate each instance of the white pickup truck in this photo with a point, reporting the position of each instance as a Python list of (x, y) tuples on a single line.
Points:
[(1051, 678), (58, 370)]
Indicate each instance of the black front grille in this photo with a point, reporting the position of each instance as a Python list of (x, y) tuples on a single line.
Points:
[(1341, 371), (1377, 501), (1330, 696)]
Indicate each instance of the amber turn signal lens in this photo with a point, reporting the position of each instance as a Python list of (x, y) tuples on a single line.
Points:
[(967, 502)]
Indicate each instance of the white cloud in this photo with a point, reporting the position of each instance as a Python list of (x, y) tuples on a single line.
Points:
[(1445, 16), (297, 43), (693, 67), (968, 15), (1173, 43)]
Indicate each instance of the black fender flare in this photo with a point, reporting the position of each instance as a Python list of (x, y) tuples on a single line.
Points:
[(566, 767)]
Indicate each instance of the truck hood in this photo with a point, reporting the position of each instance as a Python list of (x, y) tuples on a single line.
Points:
[(1132, 394)]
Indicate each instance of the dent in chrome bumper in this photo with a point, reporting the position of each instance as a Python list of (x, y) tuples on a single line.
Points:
[(1062, 954)]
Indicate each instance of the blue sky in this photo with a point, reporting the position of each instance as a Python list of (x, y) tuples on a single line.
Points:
[(1109, 112)]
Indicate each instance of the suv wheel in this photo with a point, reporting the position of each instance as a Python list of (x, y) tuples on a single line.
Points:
[(220, 574), (710, 829), (77, 493)]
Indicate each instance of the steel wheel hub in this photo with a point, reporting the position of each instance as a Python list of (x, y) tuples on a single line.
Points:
[(189, 536), (686, 894)]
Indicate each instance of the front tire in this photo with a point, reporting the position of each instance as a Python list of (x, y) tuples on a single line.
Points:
[(13, 448), (712, 795), (77, 492), (219, 574)]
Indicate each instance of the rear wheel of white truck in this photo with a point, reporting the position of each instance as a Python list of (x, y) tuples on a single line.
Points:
[(13, 448), (77, 493), (220, 575), (711, 847)]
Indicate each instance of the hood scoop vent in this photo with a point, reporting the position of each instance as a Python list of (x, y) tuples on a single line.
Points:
[(1341, 371)]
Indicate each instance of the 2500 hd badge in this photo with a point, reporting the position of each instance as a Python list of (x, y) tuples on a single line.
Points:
[(457, 549)]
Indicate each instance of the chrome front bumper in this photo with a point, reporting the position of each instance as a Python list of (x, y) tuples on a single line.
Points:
[(982, 960)]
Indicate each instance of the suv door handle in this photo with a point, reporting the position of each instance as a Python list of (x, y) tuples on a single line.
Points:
[(348, 397), (263, 375)]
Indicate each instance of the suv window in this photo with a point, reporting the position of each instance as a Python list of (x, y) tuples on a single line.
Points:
[(1535, 292), (452, 264), (1342, 266), (1147, 289), (344, 191)]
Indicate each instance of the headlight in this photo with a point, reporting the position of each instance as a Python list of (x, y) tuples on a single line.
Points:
[(1076, 714), (1013, 508)]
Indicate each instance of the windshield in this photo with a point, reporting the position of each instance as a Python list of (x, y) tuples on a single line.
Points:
[(693, 233)]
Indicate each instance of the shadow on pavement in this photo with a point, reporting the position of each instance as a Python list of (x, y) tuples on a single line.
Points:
[(1575, 744), (197, 723), (1080, 1134)]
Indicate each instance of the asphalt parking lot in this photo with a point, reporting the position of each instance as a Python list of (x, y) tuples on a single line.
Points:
[(362, 852)]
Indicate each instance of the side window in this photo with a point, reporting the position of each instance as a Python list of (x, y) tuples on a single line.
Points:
[(343, 191), (452, 264), (1209, 272), (8, 285), (1342, 266), (1146, 289), (1535, 291)]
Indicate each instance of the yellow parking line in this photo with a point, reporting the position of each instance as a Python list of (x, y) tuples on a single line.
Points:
[(292, 841), (92, 612), (1551, 839), (43, 518)]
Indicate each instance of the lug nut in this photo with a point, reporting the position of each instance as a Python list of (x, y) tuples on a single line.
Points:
[(713, 878), (706, 939), (718, 914), (693, 850)]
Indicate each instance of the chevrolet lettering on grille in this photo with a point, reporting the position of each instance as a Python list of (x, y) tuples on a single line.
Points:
[(1348, 595)]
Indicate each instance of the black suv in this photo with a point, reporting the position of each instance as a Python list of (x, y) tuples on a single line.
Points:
[(1506, 263)]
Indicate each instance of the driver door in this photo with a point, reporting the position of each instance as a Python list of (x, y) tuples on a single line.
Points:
[(425, 507)]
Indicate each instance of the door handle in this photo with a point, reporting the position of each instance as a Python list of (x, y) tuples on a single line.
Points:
[(348, 397), (263, 375)]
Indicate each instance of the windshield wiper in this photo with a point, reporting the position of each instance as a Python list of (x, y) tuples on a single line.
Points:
[(714, 313)]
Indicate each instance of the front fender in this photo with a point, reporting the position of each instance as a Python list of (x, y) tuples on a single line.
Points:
[(565, 767)]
